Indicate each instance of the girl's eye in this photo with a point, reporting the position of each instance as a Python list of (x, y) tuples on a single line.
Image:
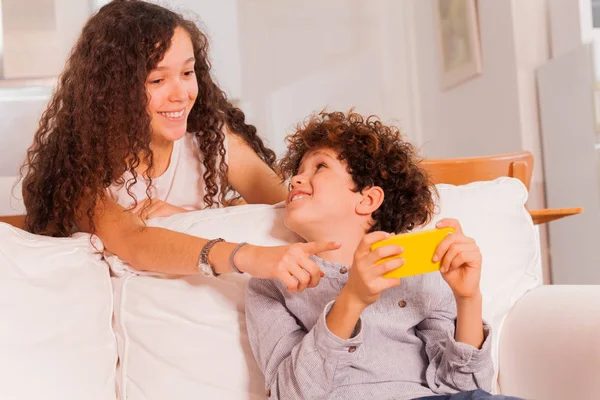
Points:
[(156, 81), (189, 73)]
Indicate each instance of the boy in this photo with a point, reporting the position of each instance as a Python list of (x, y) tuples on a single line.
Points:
[(358, 335)]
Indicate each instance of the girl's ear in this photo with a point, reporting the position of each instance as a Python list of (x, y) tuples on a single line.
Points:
[(370, 201)]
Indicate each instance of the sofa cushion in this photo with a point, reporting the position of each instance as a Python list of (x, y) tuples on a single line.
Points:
[(184, 337), (56, 339)]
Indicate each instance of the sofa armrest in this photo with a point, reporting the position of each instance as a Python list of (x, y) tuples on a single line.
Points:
[(550, 344)]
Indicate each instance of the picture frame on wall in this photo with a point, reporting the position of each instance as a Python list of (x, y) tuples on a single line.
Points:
[(459, 43)]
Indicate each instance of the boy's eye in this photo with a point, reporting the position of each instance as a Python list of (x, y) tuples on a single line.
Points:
[(321, 165)]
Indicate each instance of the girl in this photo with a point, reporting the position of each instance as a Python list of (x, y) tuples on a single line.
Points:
[(138, 129)]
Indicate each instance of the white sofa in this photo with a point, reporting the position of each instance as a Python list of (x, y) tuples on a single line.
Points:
[(185, 337), (550, 344)]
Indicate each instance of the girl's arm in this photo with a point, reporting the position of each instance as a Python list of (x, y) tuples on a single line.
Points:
[(161, 250), (250, 176)]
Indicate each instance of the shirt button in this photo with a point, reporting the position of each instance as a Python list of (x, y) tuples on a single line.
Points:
[(351, 349), (268, 392), (343, 270), (402, 303)]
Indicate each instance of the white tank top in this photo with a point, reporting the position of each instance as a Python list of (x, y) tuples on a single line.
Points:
[(180, 185)]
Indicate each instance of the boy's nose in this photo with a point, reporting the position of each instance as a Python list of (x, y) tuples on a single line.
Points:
[(295, 181)]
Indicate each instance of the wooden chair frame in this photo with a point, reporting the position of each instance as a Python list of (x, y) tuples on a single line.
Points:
[(460, 171)]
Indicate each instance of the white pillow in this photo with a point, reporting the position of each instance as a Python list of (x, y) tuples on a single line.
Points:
[(493, 213), (56, 340), (185, 337)]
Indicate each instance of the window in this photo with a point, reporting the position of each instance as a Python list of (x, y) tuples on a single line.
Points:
[(35, 39), (37, 35)]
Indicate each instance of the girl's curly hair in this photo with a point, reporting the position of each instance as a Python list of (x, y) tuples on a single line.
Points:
[(375, 155), (96, 126)]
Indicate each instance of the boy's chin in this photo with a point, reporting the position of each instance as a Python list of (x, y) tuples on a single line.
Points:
[(296, 223)]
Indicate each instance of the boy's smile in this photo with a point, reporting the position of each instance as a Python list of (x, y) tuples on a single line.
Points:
[(298, 195)]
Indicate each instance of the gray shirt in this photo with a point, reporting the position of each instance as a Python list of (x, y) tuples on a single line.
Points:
[(403, 346)]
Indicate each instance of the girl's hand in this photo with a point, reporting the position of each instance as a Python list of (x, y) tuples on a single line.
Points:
[(290, 264), (154, 208), (366, 281), (461, 261)]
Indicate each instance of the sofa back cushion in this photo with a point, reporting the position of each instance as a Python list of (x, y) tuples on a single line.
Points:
[(56, 339), (184, 337)]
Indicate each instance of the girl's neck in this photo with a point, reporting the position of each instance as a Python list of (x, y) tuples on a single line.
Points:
[(162, 152)]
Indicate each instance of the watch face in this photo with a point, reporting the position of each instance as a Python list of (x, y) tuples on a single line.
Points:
[(205, 269)]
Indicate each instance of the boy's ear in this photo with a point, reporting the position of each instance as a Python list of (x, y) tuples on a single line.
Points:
[(371, 200)]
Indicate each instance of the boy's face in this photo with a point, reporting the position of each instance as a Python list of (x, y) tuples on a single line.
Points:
[(321, 196)]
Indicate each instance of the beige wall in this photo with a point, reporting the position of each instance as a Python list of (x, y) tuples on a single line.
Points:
[(299, 57), (480, 116)]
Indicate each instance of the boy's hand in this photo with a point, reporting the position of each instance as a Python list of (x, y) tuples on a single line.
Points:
[(366, 281), (461, 261)]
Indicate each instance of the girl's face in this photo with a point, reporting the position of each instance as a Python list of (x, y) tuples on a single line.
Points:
[(172, 90)]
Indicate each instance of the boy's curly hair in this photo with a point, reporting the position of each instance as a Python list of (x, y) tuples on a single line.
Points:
[(375, 155)]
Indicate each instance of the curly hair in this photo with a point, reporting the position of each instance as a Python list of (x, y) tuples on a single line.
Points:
[(96, 125), (375, 155)]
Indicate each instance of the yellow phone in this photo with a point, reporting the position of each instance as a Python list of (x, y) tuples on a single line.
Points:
[(419, 248)]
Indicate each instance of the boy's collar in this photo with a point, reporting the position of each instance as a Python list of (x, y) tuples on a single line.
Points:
[(327, 264)]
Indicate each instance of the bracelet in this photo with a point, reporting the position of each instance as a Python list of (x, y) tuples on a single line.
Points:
[(239, 246), (203, 264)]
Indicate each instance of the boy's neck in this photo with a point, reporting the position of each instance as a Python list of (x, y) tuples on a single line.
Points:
[(345, 254)]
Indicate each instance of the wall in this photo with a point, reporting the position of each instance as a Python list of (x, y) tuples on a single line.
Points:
[(480, 116), (300, 57), (566, 85), (219, 21)]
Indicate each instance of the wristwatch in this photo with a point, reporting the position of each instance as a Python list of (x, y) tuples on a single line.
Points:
[(203, 265)]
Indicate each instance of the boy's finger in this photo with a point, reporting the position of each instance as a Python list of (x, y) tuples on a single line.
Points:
[(383, 252), (319, 247), (455, 250), (389, 265), (463, 258), (449, 222), (364, 247), (443, 247)]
